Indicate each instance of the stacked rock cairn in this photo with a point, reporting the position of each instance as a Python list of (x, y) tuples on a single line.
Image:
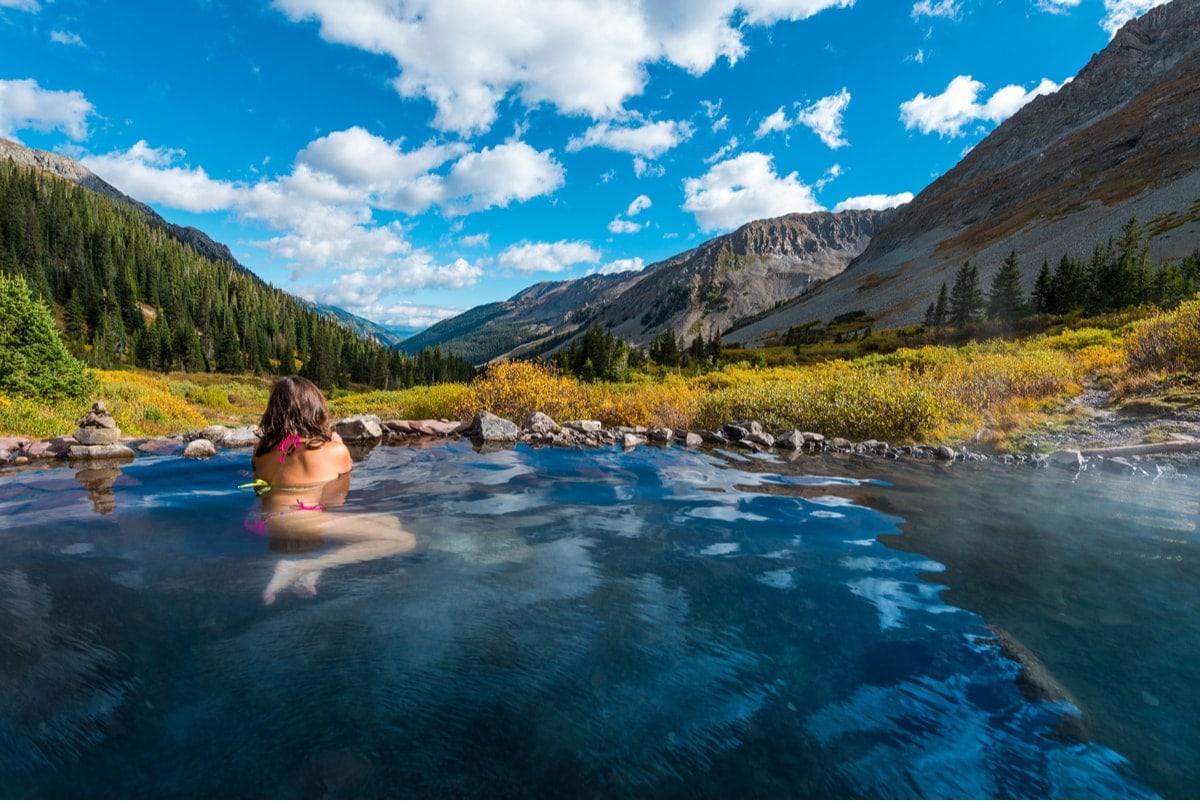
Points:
[(98, 436)]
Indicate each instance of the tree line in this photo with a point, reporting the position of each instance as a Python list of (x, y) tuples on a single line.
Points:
[(125, 291), (1117, 275)]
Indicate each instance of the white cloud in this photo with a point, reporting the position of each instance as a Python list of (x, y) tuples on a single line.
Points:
[(948, 113), (475, 241), (580, 57), (24, 105), (67, 38), (650, 140), (832, 174), (1056, 6), (745, 188), (620, 226), (776, 122), (547, 257), (21, 5), (1118, 12), (874, 201), (642, 168), (497, 176), (823, 117), (151, 175), (638, 205), (322, 214), (364, 294), (622, 266), (724, 151), (936, 8)]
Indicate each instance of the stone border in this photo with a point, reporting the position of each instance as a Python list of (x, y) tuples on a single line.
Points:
[(541, 430)]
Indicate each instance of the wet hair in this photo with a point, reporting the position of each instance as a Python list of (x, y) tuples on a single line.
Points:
[(296, 408)]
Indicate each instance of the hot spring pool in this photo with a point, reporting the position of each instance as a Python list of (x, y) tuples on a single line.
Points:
[(653, 623)]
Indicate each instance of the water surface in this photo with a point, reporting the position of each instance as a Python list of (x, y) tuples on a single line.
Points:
[(653, 623)]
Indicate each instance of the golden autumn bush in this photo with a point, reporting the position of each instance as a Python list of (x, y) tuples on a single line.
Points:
[(1167, 342), (514, 390)]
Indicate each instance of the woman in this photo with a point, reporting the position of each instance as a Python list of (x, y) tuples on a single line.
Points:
[(302, 468)]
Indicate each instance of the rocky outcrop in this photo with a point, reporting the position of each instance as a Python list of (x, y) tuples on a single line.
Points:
[(700, 292)]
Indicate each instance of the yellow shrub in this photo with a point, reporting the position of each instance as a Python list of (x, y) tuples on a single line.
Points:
[(1168, 341), (835, 398), (671, 403), (514, 390), (416, 403)]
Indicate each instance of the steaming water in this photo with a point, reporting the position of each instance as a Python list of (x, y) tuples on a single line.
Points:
[(657, 623)]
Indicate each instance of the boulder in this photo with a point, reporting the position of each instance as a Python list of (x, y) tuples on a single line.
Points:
[(540, 423), (113, 451), (214, 433), (737, 430), (159, 446), (200, 449), (490, 428), (359, 428), (98, 436), (10, 447), (793, 439), (693, 440), (661, 435), (55, 448), (945, 452), (585, 426), (630, 440), (245, 437)]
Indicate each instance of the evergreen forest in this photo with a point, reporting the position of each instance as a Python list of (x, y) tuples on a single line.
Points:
[(126, 292)]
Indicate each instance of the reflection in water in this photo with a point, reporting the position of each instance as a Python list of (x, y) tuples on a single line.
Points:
[(659, 623), (99, 483)]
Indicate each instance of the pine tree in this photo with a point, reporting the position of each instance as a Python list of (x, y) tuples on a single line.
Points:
[(1006, 301), (937, 312), (34, 362), (966, 298)]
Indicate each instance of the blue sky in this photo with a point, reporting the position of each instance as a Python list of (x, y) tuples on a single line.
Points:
[(409, 160)]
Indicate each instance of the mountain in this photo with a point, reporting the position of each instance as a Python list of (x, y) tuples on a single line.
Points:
[(363, 327), (701, 292), (1121, 140), (202, 243)]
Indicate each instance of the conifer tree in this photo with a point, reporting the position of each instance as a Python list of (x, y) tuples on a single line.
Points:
[(33, 360), (1006, 302), (966, 298)]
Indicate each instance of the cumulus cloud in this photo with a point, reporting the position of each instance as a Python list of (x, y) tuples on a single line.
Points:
[(650, 140), (874, 201), (823, 117), (772, 123), (497, 176), (745, 188), (24, 105), (153, 176), (959, 105), (547, 257), (638, 205), (622, 226), (475, 241), (322, 215), (580, 57)]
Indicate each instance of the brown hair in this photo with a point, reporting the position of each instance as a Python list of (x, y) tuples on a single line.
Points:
[(296, 407)]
